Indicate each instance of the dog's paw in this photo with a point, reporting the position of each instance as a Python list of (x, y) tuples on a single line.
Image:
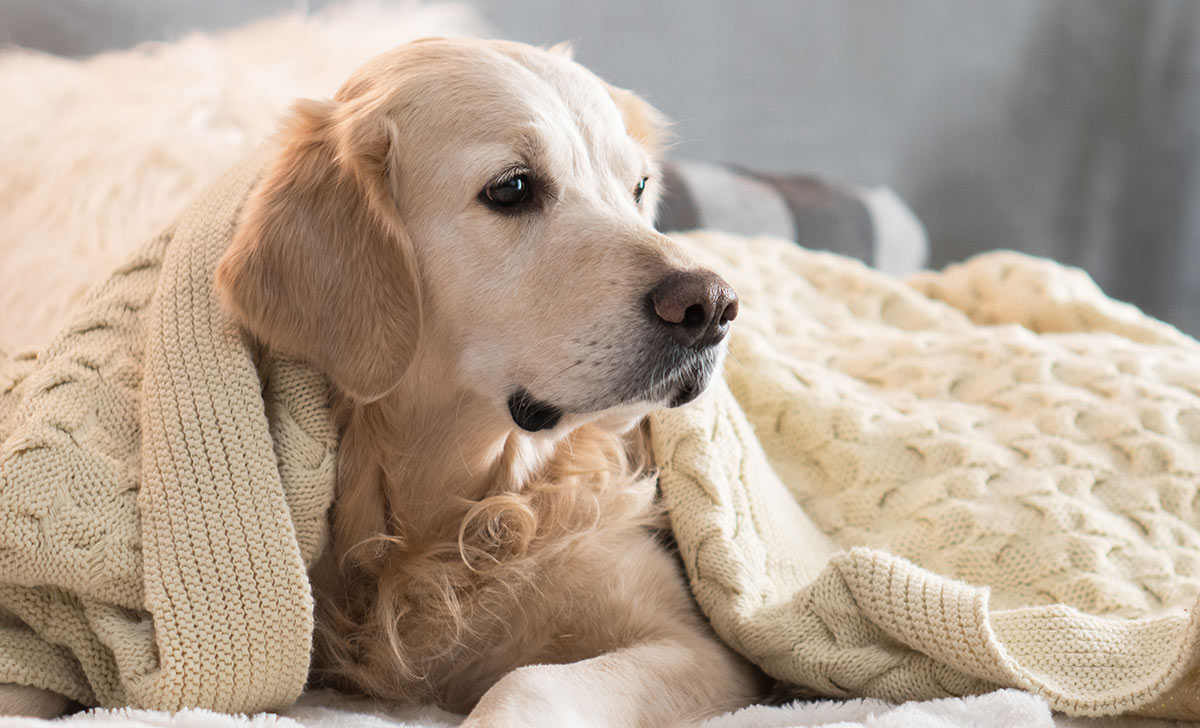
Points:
[(543, 712), (532, 696)]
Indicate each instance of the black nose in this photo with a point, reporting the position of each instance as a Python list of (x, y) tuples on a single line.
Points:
[(696, 306)]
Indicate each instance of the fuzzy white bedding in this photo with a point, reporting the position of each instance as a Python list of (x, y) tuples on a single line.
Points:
[(148, 129), (1001, 709)]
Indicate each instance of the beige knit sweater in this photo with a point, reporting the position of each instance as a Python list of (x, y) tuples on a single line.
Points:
[(988, 476), (162, 489)]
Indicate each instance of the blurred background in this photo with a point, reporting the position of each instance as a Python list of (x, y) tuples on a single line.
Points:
[(1069, 129)]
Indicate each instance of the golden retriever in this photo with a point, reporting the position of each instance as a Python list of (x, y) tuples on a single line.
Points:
[(462, 241)]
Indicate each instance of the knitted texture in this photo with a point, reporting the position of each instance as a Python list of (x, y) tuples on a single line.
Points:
[(917, 489), (164, 487)]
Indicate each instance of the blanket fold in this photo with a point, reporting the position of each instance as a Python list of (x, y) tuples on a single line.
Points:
[(926, 488), (162, 489)]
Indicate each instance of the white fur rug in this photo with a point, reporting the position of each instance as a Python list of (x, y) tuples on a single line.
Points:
[(1001, 709), (98, 155)]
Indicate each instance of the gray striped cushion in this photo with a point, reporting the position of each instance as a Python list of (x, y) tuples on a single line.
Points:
[(871, 224)]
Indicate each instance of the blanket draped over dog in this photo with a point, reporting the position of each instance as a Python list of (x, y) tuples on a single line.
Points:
[(913, 489), (162, 488), (901, 489)]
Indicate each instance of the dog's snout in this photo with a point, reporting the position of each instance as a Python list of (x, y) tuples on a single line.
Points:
[(696, 306)]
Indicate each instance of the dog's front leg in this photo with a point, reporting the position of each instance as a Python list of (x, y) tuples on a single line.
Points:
[(657, 684)]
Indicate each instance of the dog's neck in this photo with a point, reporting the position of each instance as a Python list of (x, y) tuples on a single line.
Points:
[(453, 443), (425, 449)]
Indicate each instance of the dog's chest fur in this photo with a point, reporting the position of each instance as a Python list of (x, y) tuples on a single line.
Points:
[(441, 606)]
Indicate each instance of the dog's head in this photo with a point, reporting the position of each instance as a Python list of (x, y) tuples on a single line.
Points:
[(487, 206)]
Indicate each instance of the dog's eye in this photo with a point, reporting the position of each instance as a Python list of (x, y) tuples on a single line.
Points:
[(508, 192), (640, 189)]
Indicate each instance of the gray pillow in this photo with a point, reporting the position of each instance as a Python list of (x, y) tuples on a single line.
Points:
[(871, 224)]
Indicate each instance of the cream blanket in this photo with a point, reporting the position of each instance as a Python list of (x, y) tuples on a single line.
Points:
[(163, 490), (903, 490), (914, 489)]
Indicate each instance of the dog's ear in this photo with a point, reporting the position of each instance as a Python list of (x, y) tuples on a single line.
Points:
[(320, 266), (645, 124), (648, 127)]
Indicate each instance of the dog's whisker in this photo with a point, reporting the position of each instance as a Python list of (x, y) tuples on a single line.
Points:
[(528, 354)]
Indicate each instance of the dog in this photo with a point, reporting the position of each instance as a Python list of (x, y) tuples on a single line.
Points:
[(462, 241)]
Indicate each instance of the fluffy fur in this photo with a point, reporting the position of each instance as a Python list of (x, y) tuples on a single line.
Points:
[(102, 153)]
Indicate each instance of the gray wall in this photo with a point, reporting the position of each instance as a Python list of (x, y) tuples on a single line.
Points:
[(1065, 128)]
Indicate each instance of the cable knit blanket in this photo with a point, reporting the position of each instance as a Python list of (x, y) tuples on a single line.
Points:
[(164, 487), (914, 489), (905, 490)]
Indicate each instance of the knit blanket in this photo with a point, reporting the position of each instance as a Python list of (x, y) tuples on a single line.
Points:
[(933, 487), (164, 487), (901, 489)]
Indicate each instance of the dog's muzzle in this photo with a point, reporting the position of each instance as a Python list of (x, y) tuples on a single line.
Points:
[(689, 314)]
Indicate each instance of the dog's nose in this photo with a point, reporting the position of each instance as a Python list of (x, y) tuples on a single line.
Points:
[(696, 306)]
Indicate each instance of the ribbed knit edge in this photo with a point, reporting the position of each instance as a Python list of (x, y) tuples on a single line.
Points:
[(224, 578)]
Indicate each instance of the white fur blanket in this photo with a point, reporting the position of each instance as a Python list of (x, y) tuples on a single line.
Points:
[(149, 129), (1001, 709)]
